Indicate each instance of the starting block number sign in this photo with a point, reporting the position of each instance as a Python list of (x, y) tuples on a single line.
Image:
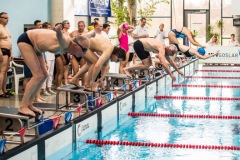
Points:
[(143, 72), (117, 82), (158, 66), (10, 124), (75, 97)]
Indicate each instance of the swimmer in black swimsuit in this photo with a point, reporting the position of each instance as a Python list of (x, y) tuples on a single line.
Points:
[(189, 52), (142, 48)]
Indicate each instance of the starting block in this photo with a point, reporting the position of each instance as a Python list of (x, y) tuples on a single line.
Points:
[(77, 96), (12, 122), (115, 80), (47, 106)]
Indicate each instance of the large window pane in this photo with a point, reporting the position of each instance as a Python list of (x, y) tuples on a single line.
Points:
[(177, 13), (81, 7), (162, 9), (215, 11), (227, 8), (228, 27), (196, 4)]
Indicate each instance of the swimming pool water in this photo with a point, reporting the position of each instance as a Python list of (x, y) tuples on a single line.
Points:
[(220, 132)]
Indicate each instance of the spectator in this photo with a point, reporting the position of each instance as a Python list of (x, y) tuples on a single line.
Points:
[(233, 42), (123, 40), (78, 61), (160, 34), (105, 30), (5, 53), (50, 60), (38, 24), (213, 41)]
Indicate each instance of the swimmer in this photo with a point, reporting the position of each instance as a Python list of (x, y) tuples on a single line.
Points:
[(142, 48), (31, 45), (182, 32), (97, 57)]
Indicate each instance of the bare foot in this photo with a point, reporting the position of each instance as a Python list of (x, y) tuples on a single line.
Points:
[(26, 111), (75, 83), (43, 99), (88, 88), (127, 73), (34, 109), (39, 100)]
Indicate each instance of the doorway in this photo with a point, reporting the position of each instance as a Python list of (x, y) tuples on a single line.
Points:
[(196, 21)]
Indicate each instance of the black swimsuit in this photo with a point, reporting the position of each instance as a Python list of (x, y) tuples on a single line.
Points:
[(187, 53), (6, 52)]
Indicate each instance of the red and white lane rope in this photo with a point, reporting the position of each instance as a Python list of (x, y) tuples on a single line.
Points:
[(204, 70), (204, 86), (212, 77), (198, 98), (138, 114), (162, 145)]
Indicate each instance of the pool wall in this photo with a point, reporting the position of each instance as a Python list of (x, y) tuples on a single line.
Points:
[(59, 143)]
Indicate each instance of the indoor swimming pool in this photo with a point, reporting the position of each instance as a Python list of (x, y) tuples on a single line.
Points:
[(183, 137)]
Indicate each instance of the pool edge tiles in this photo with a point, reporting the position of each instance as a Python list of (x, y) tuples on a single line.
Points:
[(56, 145), (86, 128), (109, 118), (30, 153)]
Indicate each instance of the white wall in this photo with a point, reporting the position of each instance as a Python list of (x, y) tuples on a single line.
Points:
[(22, 12)]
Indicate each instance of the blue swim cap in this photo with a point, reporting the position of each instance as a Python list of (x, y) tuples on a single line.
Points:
[(201, 51)]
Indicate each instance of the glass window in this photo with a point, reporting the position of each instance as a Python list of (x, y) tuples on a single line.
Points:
[(215, 11), (177, 13), (227, 8), (162, 9), (81, 7), (225, 42), (196, 4), (228, 28)]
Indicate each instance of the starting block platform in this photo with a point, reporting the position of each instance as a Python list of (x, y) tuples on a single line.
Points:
[(115, 80), (47, 106), (77, 96), (12, 121)]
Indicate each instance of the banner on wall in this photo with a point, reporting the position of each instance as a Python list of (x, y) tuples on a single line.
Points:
[(228, 55), (100, 8)]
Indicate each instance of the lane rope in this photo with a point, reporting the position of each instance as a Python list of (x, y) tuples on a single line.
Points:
[(162, 145), (212, 77), (204, 70), (138, 114), (198, 98), (204, 86)]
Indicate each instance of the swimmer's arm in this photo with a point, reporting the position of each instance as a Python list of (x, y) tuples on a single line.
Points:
[(98, 66), (62, 40), (104, 70), (173, 64), (193, 51), (162, 59), (119, 31), (90, 34)]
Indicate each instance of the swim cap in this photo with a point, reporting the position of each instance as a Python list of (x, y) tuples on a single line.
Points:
[(90, 28), (201, 51), (125, 26)]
